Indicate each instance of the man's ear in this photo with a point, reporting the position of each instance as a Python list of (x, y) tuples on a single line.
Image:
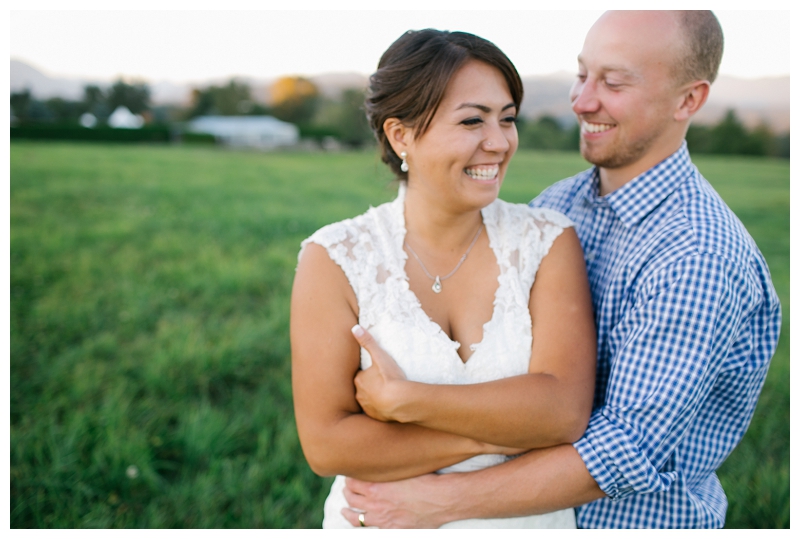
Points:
[(398, 134), (693, 98)]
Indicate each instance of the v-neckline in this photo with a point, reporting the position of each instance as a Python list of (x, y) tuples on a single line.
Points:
[(403, 256)]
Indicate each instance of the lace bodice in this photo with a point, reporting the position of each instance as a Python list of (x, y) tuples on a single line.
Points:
[(369, 249)]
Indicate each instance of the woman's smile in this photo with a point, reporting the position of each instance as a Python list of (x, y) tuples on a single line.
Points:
[(483, 173)]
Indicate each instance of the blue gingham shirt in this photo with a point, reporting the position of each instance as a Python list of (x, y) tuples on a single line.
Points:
[(687, 322)]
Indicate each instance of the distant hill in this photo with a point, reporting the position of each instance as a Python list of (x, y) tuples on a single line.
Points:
[(24, 75), (41, 86), (755, 100), (548, 94)]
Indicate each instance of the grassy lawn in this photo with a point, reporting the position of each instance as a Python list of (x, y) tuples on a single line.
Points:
[(150, 360)]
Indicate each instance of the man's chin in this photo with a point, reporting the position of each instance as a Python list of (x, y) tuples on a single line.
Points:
[(609, 160), (595, 158)]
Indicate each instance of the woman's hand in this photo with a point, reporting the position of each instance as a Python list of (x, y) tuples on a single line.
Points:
[(379, 389)]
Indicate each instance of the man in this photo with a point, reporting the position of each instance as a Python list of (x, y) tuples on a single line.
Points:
[(686, 314)]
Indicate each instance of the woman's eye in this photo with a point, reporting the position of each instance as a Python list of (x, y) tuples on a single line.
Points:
[(510, 119), (472, 121)]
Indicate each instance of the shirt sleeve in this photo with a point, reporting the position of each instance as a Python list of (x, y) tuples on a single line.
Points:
[(665, 355)]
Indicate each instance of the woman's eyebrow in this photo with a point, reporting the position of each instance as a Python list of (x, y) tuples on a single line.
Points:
[(483, 108)]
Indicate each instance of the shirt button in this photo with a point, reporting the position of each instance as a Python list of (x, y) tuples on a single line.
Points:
[(589, 256)]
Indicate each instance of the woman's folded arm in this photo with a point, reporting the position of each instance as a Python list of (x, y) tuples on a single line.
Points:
[(336, 436), (550, 405)]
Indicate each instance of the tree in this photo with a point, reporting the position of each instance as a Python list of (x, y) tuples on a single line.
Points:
[(136, 97), (294, 99), (20, 103), (93, 96), (28, 109), (64, 111), (761, 141), (782, 145), (546, 133), (233, 99), (344, 119), (699, 139), (95, 101), (202, 103), (354, 125), (729, 136)]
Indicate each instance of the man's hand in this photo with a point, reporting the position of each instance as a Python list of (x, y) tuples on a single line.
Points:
[(378, 388), (410, 503), (541, 481)]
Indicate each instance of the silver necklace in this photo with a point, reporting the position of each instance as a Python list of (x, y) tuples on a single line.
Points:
[(437, 281)]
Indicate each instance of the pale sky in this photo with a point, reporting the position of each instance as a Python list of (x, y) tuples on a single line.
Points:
[(186, 46)]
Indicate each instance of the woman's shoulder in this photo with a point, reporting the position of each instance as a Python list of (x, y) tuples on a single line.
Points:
[(526, 234), (334, 233), (364, 230), (357, 245)]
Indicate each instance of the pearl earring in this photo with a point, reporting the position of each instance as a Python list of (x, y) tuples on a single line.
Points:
[(404, 164)]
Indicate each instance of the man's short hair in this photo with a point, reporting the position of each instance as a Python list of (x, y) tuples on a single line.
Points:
[(702, 50)]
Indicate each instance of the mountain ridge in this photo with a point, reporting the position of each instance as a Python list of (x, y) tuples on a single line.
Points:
[(762, 100)]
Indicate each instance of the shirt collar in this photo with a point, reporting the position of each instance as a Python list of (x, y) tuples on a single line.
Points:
[(637, 198)]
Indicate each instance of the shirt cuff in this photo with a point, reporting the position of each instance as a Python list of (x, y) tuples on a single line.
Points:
[(616, 462)]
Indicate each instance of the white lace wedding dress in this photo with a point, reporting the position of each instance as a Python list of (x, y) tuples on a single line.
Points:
[(369, 249)]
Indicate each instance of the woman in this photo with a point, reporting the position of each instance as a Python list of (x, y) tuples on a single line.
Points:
[(484, 305)]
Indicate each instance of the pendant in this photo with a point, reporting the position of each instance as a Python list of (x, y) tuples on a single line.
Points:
[(437, 285)]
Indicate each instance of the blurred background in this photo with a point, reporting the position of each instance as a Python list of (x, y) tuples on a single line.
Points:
[(165, 166)]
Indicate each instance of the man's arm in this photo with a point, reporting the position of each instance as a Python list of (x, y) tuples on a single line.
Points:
[(541, 481), (671, 348)]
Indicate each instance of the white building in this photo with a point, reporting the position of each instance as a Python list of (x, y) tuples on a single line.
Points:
[(122, 118), (252, 131)]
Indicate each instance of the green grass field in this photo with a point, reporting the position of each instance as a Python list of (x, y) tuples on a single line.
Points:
[(150, 360)]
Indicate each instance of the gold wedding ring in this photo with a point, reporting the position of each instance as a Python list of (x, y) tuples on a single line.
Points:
[(361, 519)]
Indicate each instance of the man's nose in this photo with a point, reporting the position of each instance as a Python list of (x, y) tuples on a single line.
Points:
[(584, 97)]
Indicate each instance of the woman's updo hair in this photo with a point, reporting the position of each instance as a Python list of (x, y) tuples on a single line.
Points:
[(412, 77)]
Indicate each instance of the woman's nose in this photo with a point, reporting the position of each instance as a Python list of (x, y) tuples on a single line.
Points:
[(496, 140)]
